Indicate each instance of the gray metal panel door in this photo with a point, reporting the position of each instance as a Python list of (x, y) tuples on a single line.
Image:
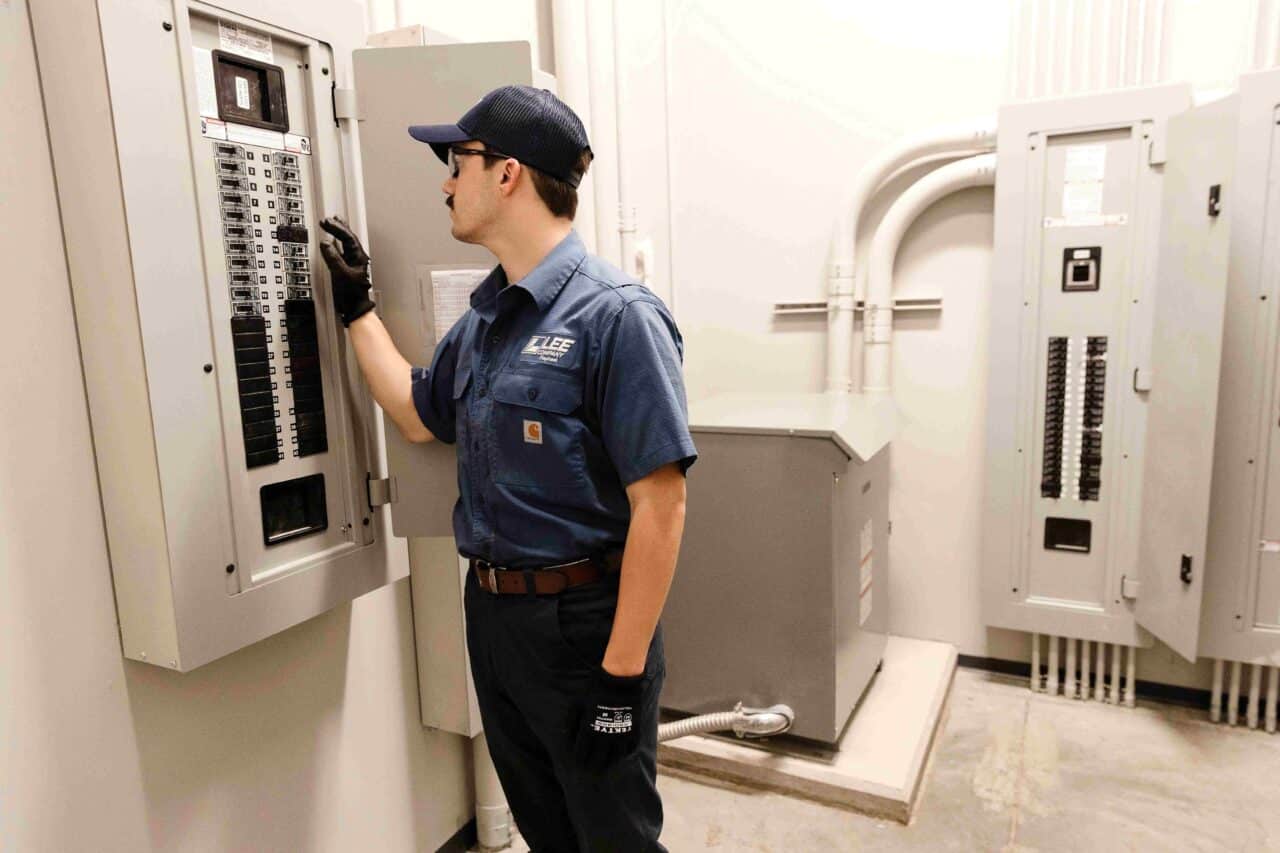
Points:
[(1186, 354), (409, 225)]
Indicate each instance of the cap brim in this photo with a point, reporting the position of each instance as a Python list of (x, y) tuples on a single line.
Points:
[(439, 137)]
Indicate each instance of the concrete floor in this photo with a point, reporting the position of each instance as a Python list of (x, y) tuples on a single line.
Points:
[(1016, 771)]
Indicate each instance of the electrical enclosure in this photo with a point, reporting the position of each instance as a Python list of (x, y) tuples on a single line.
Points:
[(196, 148), (1077, 228), (1211, 519)]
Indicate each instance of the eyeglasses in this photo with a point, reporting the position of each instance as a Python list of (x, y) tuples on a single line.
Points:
[(456, 151)]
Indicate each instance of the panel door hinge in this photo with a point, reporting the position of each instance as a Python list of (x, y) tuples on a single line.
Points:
[(1142, 379), (1130, 587), (381, 492), (345, 104), (1157, 149)]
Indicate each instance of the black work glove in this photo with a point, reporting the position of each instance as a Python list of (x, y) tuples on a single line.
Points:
[(348, 268), (609, 729)]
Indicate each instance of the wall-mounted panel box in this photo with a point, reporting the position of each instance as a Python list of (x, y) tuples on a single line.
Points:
[(1211, 516), (196, 148), (1077, 221)]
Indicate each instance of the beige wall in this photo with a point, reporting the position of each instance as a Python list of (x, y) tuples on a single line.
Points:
[(306, 741)]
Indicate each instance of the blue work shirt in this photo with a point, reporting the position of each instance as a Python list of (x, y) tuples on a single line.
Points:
[(560, 390)]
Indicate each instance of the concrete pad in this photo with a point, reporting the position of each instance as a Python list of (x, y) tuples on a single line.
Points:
[(881, 758)]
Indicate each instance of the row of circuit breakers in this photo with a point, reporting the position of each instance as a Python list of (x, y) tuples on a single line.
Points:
[(262, 258)]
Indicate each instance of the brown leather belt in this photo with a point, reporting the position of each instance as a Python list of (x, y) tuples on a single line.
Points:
[(548, 580)]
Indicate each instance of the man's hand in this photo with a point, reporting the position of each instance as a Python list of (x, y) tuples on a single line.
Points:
[(348, 268), (611, 721)]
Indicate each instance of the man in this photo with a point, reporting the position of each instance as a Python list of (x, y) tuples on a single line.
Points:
[(562, 388)]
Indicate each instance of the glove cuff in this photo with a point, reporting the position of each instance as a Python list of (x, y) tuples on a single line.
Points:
[(349, 317)]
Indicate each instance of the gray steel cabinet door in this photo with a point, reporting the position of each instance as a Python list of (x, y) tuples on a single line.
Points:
[(1186, 355), (409, 226)]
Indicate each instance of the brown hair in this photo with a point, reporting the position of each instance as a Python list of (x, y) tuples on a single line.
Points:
[(560, 197)]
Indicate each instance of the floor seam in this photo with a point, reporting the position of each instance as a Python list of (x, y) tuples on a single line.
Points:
[(1018, 780)]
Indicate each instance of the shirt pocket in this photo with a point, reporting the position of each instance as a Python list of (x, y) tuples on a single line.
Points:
[(539, 433)]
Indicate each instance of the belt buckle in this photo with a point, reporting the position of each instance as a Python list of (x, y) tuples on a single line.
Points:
[(493, 580)]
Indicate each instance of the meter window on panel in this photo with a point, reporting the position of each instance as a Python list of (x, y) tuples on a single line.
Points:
[(1081, 268)]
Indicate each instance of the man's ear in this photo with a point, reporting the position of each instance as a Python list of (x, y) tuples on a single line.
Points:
[(510, 173)]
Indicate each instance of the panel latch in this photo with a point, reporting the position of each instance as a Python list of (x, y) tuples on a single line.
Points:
[(1130, 587), (381, 492)]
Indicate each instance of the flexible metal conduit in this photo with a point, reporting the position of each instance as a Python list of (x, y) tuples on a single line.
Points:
[(843, 290), (878, 318), (745, 723)]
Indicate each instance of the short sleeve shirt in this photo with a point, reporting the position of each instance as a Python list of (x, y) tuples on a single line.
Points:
[(560, 391)]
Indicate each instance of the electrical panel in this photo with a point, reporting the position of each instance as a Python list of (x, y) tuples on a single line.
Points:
[(1210, 556), (195, 151), (1077, 224)]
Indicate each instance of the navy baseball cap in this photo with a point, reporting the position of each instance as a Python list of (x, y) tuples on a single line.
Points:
[(531, 125)]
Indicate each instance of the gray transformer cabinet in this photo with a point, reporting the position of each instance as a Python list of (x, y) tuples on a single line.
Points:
[(781, 593), (1210, 554)]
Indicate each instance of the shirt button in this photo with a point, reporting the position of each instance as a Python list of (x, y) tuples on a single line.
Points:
[(495, 340), (533, 393), (483, 391)]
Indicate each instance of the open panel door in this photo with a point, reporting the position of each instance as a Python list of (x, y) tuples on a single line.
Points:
[(1186, 355), (408, 224)]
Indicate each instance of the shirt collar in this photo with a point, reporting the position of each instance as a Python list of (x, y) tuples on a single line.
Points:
[(544, 282)]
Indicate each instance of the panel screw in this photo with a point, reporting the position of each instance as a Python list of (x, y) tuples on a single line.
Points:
[(324, 71), (168, 27), (208, 368), (231, 568), (366, 521)]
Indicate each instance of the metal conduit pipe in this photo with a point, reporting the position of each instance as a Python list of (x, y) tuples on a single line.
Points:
[(745, 723), (1215, 698), (1255, 694), (1052, 688), (1233, 695), (878, 316), (569, 33), (843, 291), (1114, 697), (1073, 684), (1131, 678), (1084, 669), (1273, 691), (1100, 676), (493, 818), (1035, 663)]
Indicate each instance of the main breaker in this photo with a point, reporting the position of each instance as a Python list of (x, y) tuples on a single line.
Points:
[(1077, 230)]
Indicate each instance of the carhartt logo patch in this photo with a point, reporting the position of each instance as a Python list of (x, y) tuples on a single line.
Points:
[(533, 432), (548, 349)]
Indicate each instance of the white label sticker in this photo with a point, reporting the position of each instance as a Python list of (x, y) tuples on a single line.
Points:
[(206, 92), (297, 144), (1269, 546), (255, 136), (211, 128), (1085, 164), (1086, 221), (450, 296), (1082, 200), (242, 93), (234, 38)]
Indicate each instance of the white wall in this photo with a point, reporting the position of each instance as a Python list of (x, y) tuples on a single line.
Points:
[(771, 114), (307, 741)]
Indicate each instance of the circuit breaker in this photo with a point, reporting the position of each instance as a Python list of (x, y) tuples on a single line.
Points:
[(1078, 192), (196, 147), (1210, 555)]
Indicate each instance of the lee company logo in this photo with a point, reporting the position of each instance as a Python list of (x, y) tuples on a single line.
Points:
[(533, 432), (548, 348)]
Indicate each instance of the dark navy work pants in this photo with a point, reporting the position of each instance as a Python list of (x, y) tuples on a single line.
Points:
[(532, 659)]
